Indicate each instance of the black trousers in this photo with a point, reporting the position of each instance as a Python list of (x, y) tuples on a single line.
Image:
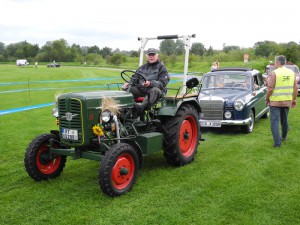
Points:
[(152, 96)]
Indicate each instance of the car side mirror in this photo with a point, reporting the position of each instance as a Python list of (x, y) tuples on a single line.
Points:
[(191, 83)]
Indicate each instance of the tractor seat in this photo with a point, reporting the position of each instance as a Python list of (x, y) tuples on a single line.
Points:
[(139, 99)]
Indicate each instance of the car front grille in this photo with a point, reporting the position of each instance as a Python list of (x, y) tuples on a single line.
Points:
[(212, 109), (73, 107)]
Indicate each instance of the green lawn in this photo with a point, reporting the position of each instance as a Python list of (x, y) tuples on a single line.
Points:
[(235, 178)]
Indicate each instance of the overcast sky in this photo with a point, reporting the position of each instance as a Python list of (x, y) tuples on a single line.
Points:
[(118, 23)]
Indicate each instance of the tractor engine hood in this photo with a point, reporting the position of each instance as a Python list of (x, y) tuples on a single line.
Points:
[(94, 98)]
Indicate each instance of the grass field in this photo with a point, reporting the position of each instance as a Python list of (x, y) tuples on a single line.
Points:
[(235, 178)]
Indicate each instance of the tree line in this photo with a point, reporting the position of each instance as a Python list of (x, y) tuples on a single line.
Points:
[(170, 51)]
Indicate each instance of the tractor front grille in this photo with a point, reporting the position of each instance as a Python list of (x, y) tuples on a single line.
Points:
[(212, 109), (70, 117)]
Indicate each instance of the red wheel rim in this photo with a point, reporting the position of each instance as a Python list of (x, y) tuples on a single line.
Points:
[(188, 136), (51, 165), (123, 171)]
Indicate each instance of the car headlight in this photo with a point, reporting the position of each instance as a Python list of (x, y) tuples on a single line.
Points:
[(239, 105), (227, 115), (106, 116), (55, 112)]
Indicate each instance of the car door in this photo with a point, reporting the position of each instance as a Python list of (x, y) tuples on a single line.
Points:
[(260, 94)]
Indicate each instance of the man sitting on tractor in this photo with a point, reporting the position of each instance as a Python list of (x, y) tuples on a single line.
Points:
[(157, 78)]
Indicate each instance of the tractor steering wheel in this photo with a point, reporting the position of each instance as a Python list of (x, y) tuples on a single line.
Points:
[(127, 77)]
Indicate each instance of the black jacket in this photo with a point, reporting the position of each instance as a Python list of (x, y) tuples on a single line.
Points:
[(156, 73)]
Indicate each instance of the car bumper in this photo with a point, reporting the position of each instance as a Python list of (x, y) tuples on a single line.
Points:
[(219, 123)]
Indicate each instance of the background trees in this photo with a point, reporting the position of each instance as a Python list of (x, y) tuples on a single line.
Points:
[(170, 52), (198, 48)]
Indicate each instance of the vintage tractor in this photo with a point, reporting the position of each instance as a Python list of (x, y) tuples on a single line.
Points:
[(99, 126)]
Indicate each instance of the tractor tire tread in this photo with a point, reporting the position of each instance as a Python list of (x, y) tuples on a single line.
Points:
[(107, 164), (30, 161)]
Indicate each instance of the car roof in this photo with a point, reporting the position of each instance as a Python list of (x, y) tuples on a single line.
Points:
[(244, 70)]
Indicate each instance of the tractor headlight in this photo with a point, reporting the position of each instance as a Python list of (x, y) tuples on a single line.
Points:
[(55, 112), (239, 105), (106, 116), (227, 115)]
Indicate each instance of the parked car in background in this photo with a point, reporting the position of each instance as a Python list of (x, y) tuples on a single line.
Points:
[(22, 62), (53, 65), (269, 68), (232, 96)]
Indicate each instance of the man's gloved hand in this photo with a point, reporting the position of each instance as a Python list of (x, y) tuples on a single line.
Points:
[(147, 84)]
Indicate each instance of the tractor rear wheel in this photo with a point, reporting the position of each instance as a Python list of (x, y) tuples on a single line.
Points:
[(181, 136), (40, 164), (118, 170)]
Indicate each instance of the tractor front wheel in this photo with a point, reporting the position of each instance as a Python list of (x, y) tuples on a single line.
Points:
[(118, 170), (40, 164), (181, 136)]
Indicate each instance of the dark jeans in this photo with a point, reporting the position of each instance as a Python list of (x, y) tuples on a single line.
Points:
[(152, 96), (279, 114)]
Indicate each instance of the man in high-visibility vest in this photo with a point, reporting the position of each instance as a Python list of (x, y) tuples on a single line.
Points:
[(281, 95)]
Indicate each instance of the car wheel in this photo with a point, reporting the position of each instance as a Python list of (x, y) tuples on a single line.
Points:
[(249, 128), (266, 115)]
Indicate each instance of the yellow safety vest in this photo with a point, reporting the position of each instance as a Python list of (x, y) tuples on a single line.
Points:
[(284, 86)]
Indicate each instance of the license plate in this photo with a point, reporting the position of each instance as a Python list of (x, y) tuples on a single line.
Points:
[(69, 134), (210, 124)]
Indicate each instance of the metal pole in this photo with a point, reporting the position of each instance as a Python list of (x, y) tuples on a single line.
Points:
[(187, 41), (143, 44), (115, 118)]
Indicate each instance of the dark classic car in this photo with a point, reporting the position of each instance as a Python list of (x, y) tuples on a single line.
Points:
[(269, 68), (53, 65), (232, 96)]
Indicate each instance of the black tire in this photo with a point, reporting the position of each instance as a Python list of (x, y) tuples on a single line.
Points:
[(39, 163), (247, 129), (111, 179), (266, 115), (179, 148)]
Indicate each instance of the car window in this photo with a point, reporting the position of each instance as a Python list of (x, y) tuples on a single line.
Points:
[(260, 80), (291, 67), (226, 81)]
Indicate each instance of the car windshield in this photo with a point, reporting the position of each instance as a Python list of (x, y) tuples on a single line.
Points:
[(240, 81), (291, 67)]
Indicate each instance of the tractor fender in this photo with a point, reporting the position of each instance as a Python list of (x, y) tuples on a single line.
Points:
[(138, 150), (171, 111)]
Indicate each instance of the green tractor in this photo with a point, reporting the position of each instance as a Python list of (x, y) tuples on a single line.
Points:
[(99, 126)]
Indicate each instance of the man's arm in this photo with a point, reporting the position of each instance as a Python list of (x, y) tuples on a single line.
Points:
[(163, 79), (271, 85)]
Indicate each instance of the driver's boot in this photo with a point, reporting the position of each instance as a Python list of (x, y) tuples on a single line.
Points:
[(136, 110)]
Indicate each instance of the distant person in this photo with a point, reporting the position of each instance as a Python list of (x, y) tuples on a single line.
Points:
[(154, 87), (84, 64), (215, 65), (281, 95), (36, 64)]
